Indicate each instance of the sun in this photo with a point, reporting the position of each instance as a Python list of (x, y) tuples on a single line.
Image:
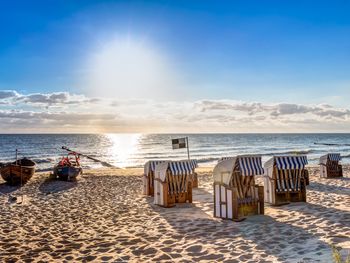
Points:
[(126, 68)]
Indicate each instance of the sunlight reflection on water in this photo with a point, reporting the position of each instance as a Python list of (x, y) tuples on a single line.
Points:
[(123, 148)]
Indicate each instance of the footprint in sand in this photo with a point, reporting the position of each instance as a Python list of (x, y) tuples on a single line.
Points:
[(194, 249)]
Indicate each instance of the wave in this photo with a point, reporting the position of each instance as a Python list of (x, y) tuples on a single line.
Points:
[(44, 160), (43, 169), (289, 152), (207, 160)]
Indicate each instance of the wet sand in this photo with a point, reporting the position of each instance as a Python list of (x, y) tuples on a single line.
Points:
[(104, 217)]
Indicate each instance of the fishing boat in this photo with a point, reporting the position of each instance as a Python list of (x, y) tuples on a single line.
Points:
[(18, 172), (68, 167)]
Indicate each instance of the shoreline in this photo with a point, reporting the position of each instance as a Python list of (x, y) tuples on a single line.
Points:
[(139, 170)]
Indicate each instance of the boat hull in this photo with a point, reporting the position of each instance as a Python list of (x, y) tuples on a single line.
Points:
[(67, 173), (20, 173)]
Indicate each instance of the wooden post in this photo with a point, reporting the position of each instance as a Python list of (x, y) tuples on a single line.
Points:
[(261, 199), (16, 156), (165, 193), (304, 190), (189, 191), (214, 200), (234, 204), (274, 185), (188, 149)]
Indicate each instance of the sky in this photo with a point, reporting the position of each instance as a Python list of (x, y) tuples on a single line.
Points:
[(174, 66)]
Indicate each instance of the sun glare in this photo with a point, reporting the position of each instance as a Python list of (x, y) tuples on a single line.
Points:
[(123, 147), (126, 68)]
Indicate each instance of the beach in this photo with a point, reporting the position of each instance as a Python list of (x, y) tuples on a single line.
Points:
[(104, 217)]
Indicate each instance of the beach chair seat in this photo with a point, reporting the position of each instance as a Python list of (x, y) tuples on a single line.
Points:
[(235, 193), (285, 179), (247, 200)]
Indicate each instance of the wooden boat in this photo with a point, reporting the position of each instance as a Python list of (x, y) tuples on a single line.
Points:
[(18, 172), (68, 168)]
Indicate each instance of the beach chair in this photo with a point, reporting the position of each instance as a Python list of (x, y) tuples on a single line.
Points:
[(235, 193), (148, 177), (330, 167), (285, 179), (173, 183)]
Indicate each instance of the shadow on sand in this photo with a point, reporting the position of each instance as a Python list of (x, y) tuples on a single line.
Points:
[(260, 234), (7, 189), (51, 185), (329, 188)]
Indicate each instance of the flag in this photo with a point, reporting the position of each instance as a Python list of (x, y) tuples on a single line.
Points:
[(179, 143)]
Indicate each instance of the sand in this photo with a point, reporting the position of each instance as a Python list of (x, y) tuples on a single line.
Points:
[(104, 217)]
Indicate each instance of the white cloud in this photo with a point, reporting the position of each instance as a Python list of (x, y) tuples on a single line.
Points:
[(57, 99), (65, 112), (6, 94), (275, 110)]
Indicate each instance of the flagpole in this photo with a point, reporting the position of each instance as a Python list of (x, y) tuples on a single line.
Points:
[(188, 149)]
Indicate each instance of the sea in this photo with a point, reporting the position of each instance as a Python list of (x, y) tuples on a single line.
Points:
[(133, 150)]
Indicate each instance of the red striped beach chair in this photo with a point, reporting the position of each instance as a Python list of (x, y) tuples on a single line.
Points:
[(235, 193), (330, 167), (285, 179), (173, 183)]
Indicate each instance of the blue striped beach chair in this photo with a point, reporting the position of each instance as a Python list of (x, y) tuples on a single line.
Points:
[(285, 179), (330, 167), (173, 183), (235, 193)]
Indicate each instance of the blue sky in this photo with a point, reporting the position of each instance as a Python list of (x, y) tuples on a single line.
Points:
[(268, 52)]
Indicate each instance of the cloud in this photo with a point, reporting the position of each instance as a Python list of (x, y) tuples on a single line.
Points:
[(57, 121), (56, 99), (66, 112), (320, 110), (6, 94), (275, 110)]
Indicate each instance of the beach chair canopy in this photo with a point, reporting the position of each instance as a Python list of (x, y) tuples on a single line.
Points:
[(150, 165), (176, 168), (248, 165), (193, 163), (287, 162), (330, 157)]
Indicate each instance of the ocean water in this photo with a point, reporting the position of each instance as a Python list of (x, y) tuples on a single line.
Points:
[(133, 150)]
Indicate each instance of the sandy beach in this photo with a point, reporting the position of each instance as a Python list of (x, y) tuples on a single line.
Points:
[(104, 217)]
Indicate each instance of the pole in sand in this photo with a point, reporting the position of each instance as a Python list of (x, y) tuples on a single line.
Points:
[(188, 149)]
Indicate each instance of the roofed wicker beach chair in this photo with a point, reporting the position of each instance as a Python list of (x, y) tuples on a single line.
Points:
[(285, 179), (148, 177), (173, 183), (235, 193), (330, 167)]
